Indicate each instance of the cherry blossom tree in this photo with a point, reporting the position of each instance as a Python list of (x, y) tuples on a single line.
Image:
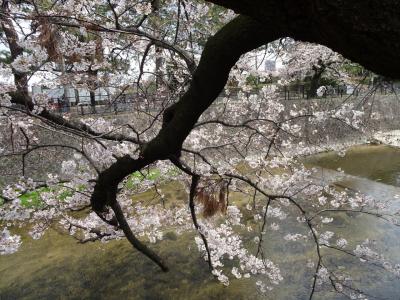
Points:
[(180, 130), (313, 64), (322, 60)]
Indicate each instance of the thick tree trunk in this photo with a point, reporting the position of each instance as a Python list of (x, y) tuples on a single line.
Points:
[(315, 83), (92, 101), (20, 78), (335, 24), (365, 31), (220, 54), (271, 20)]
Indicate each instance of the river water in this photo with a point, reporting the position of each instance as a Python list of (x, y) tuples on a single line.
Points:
[(56, 267)]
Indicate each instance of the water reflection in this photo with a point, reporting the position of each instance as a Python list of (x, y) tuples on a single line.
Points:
[(379, 163), (58, 268)]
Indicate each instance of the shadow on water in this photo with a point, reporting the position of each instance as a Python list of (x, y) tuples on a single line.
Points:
[(56, 267), (376, 162)]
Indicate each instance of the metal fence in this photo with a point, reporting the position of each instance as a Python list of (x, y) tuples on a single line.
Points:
[(120, 104), (302, 91), (130, 102)]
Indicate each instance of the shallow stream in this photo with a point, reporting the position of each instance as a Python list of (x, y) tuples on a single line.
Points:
[(56, 267)]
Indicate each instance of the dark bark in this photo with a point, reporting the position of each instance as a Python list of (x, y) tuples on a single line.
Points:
[(123, 224), (315, 81), (220, 54), (192, 195), (20, 78), (339, 25), (93, 101), (364, 31)]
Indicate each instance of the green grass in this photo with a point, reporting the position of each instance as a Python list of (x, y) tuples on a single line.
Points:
[(33, 199), (65, 194), (153, 174)]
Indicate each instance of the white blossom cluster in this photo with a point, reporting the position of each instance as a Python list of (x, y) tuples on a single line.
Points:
[(225, 244), (250, 139), (33, 58), (9, 243), (41, 102)]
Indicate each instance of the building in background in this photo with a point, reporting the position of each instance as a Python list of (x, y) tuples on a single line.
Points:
[(270, 65)]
